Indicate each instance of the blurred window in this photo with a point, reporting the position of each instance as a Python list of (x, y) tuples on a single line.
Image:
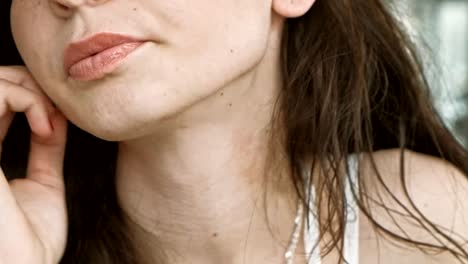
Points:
[(442, 25)]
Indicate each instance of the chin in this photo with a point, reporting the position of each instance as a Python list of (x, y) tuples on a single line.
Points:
[(131, 127), (116, 132), (113, 136)]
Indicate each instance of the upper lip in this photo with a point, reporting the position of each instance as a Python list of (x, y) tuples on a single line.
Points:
[(92, 45)]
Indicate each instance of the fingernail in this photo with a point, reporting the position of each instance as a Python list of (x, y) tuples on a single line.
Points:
[(52, 116), (51, 126)]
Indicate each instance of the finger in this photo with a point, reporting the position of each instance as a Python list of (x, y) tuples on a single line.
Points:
[(17, 99), (21, 75), (46, 156), (5, 122), (6, 197), (10, 212)]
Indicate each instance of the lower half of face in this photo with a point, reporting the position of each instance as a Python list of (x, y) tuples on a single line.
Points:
[(194, 49)]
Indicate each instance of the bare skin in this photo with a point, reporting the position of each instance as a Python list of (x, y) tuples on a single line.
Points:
[(33, 222), (209, 71), (190, 122)]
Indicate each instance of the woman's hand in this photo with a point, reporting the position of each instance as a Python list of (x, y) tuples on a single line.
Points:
[(33, 217)]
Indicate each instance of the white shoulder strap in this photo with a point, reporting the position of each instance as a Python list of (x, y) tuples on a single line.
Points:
[(311, 233), (351, 242), (351, 236)]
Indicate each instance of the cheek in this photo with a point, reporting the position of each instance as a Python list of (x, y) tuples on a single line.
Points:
[(25, 23), (33, 32), (32, 29), (226, 23), (222, 40)]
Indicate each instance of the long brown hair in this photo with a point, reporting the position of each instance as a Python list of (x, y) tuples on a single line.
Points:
[(352, 83)]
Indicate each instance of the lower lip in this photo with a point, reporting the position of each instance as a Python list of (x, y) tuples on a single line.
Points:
[(101, 64)]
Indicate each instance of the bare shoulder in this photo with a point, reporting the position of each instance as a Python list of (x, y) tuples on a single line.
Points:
[(436, 188)]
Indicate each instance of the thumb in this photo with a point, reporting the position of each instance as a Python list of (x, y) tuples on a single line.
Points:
[(46, 156)]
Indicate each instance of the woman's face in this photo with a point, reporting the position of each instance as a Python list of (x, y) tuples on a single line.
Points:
[(193, 48)]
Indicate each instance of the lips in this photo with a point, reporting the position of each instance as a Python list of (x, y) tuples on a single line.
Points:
[(99, 44)]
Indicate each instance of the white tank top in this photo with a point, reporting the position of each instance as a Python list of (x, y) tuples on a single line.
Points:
[(351, 236)]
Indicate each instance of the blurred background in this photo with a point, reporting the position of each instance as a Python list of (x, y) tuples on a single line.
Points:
[(440, 27)]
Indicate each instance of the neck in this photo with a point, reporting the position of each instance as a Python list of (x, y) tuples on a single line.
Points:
[(206, 204), (198, 191)]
